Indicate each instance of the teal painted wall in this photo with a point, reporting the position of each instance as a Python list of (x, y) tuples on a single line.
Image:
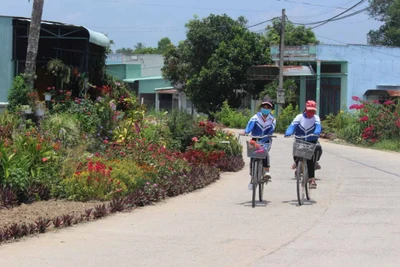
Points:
[(117, 70), (6, 63), (149, 86), (133, 71)]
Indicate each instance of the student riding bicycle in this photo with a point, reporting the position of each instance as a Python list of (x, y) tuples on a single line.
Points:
[(305, 124), (263, 123)]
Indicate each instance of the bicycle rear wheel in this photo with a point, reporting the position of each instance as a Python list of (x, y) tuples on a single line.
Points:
[(300, 182), (260, 183), (254, 181)]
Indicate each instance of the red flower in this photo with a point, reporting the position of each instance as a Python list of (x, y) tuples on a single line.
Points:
[(354, 106), (105, 142), (388, 102), (355, 98), (45, 159), (194, 139), (365, 118)]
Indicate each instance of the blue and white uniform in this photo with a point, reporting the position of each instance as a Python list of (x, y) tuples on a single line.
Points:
[(303, 126), (259, 126)]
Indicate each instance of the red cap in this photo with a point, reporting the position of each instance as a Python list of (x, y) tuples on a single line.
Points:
[(311, 105)]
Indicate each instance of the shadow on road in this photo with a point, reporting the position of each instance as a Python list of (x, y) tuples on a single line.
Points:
[(294, 202), (264, 203)]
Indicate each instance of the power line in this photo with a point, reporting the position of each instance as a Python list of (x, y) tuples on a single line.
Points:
[(369, 48), (310, 4), (262, 22), (181, 6), (336, 17)]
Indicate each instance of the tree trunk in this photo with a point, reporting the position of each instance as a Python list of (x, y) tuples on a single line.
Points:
[(33, 43)]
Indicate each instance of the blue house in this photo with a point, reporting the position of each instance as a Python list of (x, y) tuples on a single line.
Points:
[(343, 71)]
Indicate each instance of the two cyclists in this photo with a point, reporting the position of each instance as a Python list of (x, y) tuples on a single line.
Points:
[(304, 124)]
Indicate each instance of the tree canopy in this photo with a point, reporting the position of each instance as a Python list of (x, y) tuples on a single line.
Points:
[(141, 48), (388, 12), (211, 63), (294, 35)]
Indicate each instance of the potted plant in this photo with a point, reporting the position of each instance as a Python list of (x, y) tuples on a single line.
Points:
[(50, 92), (36, 104), (40, 108), (26, 109)]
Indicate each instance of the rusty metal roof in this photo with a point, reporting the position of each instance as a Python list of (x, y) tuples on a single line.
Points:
[(392, 93)]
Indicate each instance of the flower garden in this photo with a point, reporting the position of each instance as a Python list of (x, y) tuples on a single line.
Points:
[(102, 150), (369, 123)]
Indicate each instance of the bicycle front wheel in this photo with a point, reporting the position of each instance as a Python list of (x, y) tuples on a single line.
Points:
[(307, 184), (254, 180), (300, 182)]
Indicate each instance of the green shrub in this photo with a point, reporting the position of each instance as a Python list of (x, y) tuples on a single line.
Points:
[(232, 118), (93, 181), (222, 141), (128, 173), (62, 127), (18, 94), (183, 128), (285, 118)]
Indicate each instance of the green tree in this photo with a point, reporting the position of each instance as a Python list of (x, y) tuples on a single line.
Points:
[(125, 51), (294, 35), (387, 12), (211, 63), (163, 45)]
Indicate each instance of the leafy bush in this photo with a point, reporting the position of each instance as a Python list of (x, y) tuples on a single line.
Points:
[(285, 118), (182, 127), (128, 173), (63, 128), (94, 181), (18, 94), (84, 110), (378, 121), (232, 118), (222, 141)]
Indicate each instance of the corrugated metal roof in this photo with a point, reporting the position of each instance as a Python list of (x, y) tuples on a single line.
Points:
[(97, 38), (131, 80), (164, 88), (392, 93)]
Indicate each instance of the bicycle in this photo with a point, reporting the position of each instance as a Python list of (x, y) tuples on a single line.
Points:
[(304, 151), (257, 151)]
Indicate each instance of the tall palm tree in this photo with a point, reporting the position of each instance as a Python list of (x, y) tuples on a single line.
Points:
[(33, 42)]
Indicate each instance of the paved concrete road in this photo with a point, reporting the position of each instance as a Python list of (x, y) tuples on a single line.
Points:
[(354, 220)]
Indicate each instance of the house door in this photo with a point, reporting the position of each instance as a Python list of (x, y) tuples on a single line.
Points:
[(329, 95)]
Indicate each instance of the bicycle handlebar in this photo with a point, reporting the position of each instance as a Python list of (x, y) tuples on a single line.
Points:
[(258, 137), (302, 136)]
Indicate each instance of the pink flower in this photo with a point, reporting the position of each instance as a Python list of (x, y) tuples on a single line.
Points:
[(105, 142), (354, 106), (194, 139), (365, 118), (355, 98), (45, 159), (388, 102)]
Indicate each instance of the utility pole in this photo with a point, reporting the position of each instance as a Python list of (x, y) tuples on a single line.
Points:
[(280, 93)]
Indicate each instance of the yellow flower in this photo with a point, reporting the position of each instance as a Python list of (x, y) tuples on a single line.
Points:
[(341, 112)]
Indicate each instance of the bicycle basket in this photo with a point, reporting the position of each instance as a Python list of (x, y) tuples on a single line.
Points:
[(303, 149), (257, 150)]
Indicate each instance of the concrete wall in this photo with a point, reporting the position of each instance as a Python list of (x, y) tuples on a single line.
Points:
[(6, 63), (150, 64), (367, 66), (149, 86)]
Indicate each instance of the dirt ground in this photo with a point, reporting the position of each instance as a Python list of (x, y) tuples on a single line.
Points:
[(46, 209)]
